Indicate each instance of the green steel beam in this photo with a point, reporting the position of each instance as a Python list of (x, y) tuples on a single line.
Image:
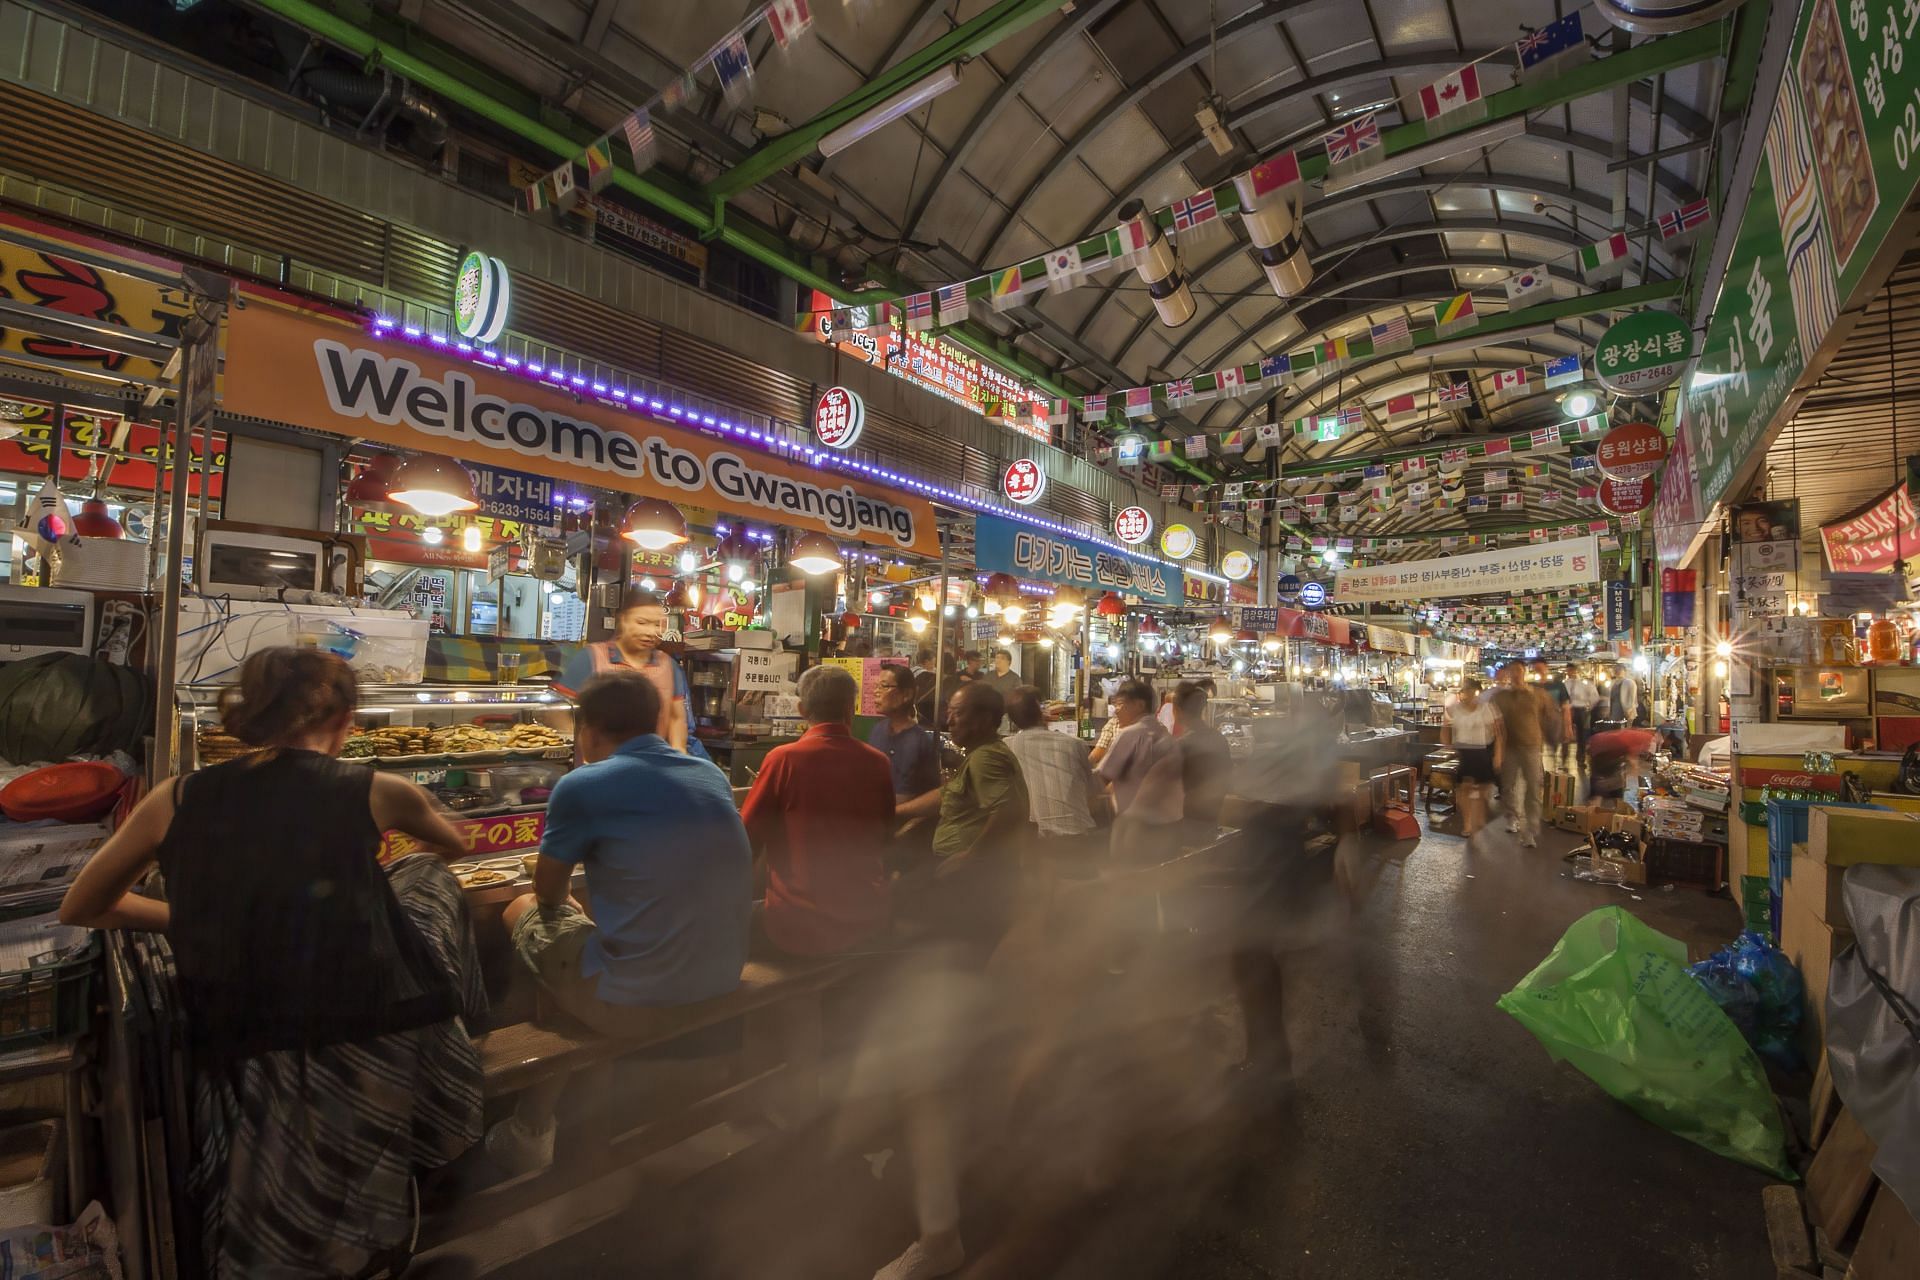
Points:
[(1641, 62), (568, 142), (968, 40)]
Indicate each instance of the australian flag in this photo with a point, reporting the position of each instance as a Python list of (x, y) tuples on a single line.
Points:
[(1544, 51)]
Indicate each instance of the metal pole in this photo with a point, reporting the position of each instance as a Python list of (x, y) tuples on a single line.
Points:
[(199, 361), (940, 631)]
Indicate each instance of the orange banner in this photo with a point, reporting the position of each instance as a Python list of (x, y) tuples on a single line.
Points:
[(312, 371)]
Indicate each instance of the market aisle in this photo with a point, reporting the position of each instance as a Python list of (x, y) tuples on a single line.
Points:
[(1428, 1134)]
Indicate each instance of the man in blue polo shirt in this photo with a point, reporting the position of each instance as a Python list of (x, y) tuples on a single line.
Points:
[(669, 873)]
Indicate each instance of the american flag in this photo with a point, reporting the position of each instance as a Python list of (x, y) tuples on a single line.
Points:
[(1393, 331), (1352, 138), (1194, 210), (1456, 393), (953, 303)]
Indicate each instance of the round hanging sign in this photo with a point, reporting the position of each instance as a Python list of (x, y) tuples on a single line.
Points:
[(1288, 588), (1177, 542), (1631, 451), (1236, 565), (1661, 17), (1313, 594), (1625, 497), (1133, 526), (839, 418), (480, 297), (1642, 352), (1024, 481)]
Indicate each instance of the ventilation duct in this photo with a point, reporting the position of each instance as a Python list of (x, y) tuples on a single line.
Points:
[(1159, 269), (1274, 226)]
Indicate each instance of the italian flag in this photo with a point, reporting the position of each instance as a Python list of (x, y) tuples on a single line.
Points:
[(1601, 252)]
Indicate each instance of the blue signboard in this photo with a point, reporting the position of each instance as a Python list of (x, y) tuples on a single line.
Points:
[(1288, 588), (1025, 551), (1619, 611), (1313, 594), (514, 495), (1253, 618)]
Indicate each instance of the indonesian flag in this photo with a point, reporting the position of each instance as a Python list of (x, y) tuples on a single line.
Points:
[(1450, 93)]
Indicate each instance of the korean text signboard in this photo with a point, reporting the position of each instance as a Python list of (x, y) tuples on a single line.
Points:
[(1842, 160), (1619, 611), (45, 279), (764, 671), (1024, 481), (1010, 546), (309, 370), (514, 495), (1133, 526), (1520, 569), (1643, 352), (1631, 451), (839, 418)]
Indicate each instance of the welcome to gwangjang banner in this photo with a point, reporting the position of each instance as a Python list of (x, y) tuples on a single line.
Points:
[(311, 370)]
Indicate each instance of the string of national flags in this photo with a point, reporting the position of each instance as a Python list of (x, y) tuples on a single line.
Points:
[(732, 65), (1319, 546), (1353, 146)]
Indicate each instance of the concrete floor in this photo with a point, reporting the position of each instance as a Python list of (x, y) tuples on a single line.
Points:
[(1425, 1133)]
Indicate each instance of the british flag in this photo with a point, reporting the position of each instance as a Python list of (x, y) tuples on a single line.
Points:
[(1352, 138), (1179, 390), (1455, 393), (1194, 210)]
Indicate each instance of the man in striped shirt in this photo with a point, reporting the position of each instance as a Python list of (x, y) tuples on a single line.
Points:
[(1059, 779)]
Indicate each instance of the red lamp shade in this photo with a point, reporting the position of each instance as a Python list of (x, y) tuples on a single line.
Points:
[(372, 488), (1111, 606), (1149, 626), (1002, 587), (654, 525), (1246, 636), (433, 485), (850, 620), (94, 522)]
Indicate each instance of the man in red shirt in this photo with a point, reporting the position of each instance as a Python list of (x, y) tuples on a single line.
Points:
[(821, 811)]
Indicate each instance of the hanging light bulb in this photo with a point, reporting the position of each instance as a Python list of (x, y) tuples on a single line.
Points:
[(876, 598), (433, 535), (1013, 612), (470, 538), (1720, 668), (1220, 630), (654, 525), (1723, 649), (736, 554), (1271, 642), (1046, 642), (433, 485), (1578, 403), (917, 623), (815, 553), (689, 561)]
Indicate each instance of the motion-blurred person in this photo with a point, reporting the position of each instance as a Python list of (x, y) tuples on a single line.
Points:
[(1624, 698), (327, 1001), (1583, 696), (669, 872), (910, 748), (1472, 727), (1206, 762), (1618, 756), (926, 682), (1060, 782), (639, 626), (1557, 729), (943, 1004), (821, 810), (1524, 709), (1002, 679), (1147, 799), (970, 666)]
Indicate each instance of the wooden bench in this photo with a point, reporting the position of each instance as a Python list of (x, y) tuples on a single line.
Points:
[(777, 1065)]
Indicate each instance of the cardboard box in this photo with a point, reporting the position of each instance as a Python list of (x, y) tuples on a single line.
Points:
[(1812, 944), (1815, 886), (1844, 837), (1756, 908)]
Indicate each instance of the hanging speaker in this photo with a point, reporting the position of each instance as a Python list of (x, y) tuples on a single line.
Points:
[(1159, 269), (1274, 229)]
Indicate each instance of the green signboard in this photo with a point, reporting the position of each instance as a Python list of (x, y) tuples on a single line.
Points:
[(1642, 352), (1842, 159)]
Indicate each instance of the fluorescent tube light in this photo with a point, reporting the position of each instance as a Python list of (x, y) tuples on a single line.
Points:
[(908, 99)]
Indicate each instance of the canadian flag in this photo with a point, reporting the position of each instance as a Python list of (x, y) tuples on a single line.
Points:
[(1450, 93), (1509, 381)]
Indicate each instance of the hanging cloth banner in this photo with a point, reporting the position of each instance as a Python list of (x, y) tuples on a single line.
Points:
[(1521, 569), (1871, 540), (311, 371)]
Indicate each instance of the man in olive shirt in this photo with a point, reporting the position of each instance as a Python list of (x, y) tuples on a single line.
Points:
[(985, 817)]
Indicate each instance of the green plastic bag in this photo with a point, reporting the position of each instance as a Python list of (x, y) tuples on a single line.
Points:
[(1614, 998)]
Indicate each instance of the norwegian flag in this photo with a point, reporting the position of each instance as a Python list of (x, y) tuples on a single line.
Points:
[(1351, 139), (1196, 209), (919, 309), (1685, 222), (1455, 393), (1546, 437), (1094, 408)]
